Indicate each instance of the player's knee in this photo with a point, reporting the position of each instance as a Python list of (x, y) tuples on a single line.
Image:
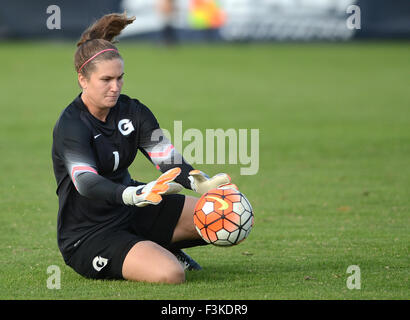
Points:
[(173, 275)]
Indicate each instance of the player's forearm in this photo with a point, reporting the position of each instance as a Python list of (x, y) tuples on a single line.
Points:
[(94, 186)]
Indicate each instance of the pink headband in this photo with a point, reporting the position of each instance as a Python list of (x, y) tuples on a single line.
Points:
[(97, 54)]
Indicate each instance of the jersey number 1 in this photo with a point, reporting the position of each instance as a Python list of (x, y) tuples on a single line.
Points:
[(116, 160)]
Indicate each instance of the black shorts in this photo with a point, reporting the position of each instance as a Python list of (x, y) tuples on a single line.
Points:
[(102, 256)]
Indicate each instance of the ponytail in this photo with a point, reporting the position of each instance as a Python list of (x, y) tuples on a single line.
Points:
[(96, 43)]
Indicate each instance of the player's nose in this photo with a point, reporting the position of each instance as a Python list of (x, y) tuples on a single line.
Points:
[(116, 86)]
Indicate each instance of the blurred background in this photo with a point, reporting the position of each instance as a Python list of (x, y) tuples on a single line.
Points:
[(212, 20)]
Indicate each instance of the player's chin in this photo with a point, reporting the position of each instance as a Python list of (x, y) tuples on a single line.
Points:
[(111, 101)]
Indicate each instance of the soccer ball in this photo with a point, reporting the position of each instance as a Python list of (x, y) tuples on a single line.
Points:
[(223, 217)]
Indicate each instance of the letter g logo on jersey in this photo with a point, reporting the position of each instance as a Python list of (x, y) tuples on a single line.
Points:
[(125, 126), (99, 263)]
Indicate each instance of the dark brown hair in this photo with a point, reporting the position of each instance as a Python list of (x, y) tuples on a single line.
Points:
[(100, 36)]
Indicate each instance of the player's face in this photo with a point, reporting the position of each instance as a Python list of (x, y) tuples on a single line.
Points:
[(104, 84)]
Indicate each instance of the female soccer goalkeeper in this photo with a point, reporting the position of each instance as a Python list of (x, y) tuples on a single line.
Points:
[(109, 225)]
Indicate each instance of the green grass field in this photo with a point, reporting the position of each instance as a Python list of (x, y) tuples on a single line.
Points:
[(332, 190)]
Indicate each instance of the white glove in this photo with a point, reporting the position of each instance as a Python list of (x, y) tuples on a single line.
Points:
[(201, 183), (150, 193)]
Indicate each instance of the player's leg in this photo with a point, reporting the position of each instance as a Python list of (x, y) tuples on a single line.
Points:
[(171, 226), (185, 235), (149, 262), (185, 228)]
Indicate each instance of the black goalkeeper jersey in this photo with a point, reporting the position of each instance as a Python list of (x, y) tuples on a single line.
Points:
[(91, 160)]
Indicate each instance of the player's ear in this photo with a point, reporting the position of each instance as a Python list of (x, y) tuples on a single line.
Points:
[(82, 81)]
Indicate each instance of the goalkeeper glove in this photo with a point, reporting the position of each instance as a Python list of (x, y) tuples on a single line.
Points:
[(150, 193), (202, 183)]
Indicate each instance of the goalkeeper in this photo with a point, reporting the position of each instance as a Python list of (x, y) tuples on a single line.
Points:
[(109, 225)]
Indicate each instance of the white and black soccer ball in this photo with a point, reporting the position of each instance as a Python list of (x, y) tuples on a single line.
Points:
[(223, 217)]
